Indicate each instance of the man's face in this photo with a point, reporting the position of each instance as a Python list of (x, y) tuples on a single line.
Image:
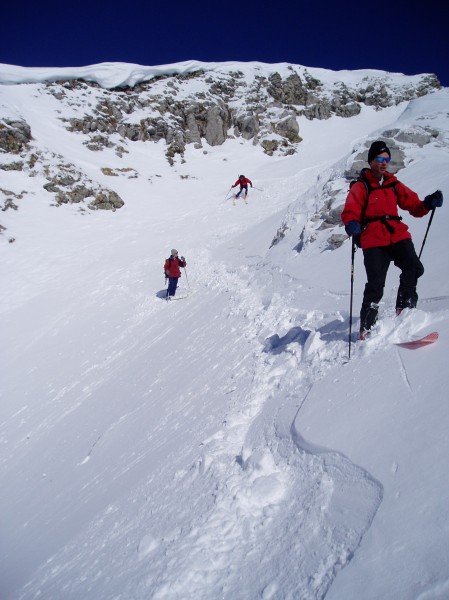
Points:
[(378, 166)]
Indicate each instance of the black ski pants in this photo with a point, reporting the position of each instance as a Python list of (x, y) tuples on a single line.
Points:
[(377, 261), (242, 187), (172, 285)]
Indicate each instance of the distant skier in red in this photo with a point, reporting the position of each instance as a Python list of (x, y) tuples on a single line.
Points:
[(243, 182), (173, 272)]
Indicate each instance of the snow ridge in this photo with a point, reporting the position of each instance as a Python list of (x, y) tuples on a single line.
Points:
[(110, 75)]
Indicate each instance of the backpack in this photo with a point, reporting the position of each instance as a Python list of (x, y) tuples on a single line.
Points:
[(365, 222), (170, 259)]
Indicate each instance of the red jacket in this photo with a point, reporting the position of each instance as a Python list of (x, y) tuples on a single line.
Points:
[(382, 201), (243, 182), (172, 265)]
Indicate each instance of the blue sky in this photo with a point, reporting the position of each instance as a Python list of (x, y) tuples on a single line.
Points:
[(390, 36)]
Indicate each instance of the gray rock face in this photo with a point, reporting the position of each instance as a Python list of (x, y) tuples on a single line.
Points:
[(289, 129), (336, 240), (17, 165), (208, 111), (216, 125), (73, 196), (270, 146), (288, 91), (192, 131), (331, 218), (247, 125), (106, 200), (420, 137), (14, 135)]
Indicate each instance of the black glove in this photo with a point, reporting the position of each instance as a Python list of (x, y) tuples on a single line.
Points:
[(433, 200), (183, 259), (353, 228)]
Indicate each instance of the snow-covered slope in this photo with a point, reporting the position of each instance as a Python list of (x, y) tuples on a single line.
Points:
[(221, 446)]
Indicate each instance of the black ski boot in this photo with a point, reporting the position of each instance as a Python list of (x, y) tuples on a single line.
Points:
[(368, 317)]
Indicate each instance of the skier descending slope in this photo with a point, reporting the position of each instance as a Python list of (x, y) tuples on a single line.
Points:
[(371, 216), (243, 182), (173, 272)]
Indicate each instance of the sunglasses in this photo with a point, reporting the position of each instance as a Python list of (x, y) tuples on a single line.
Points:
[(382, 159)]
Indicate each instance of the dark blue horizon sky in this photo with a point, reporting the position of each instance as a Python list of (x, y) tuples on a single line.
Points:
[(393, 36)]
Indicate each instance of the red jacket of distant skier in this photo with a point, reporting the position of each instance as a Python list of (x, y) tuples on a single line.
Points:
[(172, 265), (243, 182), (383, 201)]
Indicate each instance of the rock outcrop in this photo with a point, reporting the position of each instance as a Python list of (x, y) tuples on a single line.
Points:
[(265, 109), (14, 136)]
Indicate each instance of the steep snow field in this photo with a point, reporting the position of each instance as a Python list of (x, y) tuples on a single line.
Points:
[(221, 446)]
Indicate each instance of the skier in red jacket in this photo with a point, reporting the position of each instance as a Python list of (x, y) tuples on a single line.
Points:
[(243, 182), (371, 215), (173, 272)]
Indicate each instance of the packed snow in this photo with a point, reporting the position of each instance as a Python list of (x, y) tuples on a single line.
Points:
[(222, 446)]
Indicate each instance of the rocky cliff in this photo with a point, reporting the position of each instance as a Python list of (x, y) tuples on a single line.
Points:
[(200, 107)]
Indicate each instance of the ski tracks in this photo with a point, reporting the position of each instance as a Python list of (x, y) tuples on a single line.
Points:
[(279, 516), (260, 513)]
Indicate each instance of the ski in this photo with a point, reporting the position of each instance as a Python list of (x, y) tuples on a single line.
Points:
[(183, 297), (419, 343), (234, 201)]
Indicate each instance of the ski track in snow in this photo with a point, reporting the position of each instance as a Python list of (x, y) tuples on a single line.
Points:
[(256, 479), (403, 372), (263, 478), (252, 475)]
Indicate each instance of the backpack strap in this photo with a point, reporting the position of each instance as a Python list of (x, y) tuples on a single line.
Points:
[(364, 222), (368, 190), (384, 219)]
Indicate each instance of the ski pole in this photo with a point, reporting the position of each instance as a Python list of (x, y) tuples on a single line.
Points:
[(227, 193), (256, 188), (427, 231), (353, 248), (187, 279)]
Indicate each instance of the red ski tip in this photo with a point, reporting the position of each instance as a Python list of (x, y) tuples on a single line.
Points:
[(424, 341)]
